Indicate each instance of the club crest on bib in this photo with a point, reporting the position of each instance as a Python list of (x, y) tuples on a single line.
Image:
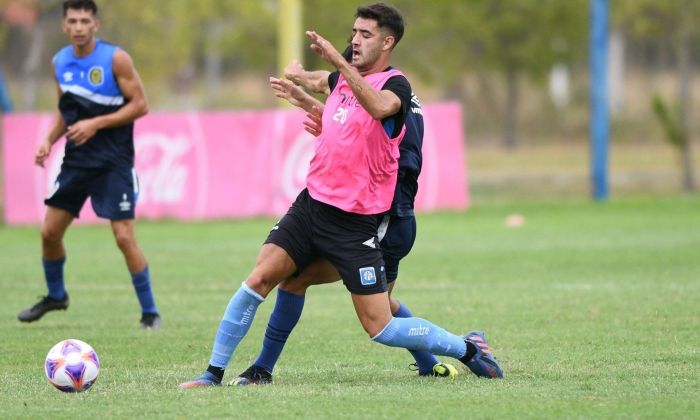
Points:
[(96, 76)]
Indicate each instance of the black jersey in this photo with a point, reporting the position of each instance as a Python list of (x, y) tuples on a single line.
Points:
[(410, 162)]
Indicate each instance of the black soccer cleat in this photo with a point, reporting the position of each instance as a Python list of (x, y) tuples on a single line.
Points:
[(46, 304), (480, 359), (254, 375), (150, 322)]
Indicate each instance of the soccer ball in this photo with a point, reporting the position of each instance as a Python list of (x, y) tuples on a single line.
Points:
[(72, 366)]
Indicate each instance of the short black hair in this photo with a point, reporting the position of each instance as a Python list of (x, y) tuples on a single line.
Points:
[(79, 5), (386, 16)]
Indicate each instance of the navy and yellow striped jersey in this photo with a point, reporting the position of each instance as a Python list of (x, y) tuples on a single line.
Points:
[(89, 89)]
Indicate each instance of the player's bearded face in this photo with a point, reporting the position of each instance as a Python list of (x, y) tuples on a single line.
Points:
[(367, 40), (80, 26)]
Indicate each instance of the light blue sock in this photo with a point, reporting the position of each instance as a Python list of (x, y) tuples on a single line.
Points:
[(424, 360), (234, 325), (419, 334), (284, 317), (53, 274), (142, 286)]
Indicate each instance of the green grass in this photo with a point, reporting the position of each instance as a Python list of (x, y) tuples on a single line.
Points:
[(591, 308)]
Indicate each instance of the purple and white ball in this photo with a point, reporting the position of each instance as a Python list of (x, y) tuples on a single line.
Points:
[(72, 366)]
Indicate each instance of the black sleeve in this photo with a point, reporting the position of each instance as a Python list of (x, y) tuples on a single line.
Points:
[(333, 80), (400, 86)]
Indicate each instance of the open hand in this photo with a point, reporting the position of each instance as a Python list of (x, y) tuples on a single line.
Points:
[(325, 49), (313, 123), (285, 89)]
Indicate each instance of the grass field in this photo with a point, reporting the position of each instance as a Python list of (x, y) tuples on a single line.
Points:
[(593, 310)]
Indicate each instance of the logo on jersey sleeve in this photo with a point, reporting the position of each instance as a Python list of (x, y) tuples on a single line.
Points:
[(96, 76), (367, 276), (415, 104)]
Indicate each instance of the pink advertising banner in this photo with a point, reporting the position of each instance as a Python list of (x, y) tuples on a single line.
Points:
[(213, 165)]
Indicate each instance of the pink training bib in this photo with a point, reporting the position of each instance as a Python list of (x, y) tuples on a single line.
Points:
[(356, 163)]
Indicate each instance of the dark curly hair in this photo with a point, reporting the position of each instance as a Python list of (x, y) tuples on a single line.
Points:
[(387, 17), (80, 5)]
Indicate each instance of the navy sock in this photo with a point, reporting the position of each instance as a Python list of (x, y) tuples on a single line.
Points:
[(142, 286), (424, 360), (282, 321), (53, 274)]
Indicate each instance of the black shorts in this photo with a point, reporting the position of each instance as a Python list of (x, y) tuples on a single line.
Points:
[(312, 230), (112, 191), (396, 238)]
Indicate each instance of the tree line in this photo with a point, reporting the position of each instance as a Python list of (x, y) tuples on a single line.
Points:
[(503, 44)]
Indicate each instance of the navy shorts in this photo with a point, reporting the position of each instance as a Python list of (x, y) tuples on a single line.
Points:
[(112, 191), (396, 238), (312, 230)]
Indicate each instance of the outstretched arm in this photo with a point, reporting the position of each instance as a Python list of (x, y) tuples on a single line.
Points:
[(132, 88), (284, 89), (378, 103), (314, 81)]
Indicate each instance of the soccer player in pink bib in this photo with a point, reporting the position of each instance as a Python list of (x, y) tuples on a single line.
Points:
[(351, 181)]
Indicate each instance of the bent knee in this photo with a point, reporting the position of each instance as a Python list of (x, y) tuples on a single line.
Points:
[(261, 282), (374, 327), (51, 235), (294, 286), (124, 240)]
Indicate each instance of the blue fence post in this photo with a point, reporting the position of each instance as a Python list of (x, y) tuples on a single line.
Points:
[(5, 103), (600, 120)]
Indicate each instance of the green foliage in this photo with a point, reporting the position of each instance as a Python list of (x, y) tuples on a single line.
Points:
[(167, 40), (657, 22), (591, 308), (447, 39), (448, 43), (527, 36), (451, 36), (3, 36), (653, 18), (672, 126)]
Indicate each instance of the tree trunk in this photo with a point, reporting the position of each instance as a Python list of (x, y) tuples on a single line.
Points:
[(684, 85), (31, 68), (213, 60), (510, 134)]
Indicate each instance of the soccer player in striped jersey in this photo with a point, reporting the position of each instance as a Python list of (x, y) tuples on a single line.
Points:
[(100, 96)]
